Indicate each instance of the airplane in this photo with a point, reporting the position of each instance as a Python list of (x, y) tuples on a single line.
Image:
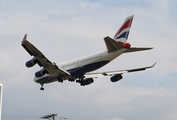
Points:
[(79, 70)]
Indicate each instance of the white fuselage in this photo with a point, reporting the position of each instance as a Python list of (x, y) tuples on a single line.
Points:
[(87, 63), (89, 59)]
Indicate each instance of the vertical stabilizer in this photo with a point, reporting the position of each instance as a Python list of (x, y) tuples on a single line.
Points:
[(123, 32)]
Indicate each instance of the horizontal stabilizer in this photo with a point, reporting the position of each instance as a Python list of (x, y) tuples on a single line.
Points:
[(111, 44), (135, 49)]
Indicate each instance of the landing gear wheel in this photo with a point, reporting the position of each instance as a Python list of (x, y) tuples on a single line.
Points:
[(42, 88), (71, 80), (60, 79), (81, 82), (78, 81)]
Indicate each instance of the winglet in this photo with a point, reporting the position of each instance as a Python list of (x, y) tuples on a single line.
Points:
[(25, 43), (153, 65), (24, 37)]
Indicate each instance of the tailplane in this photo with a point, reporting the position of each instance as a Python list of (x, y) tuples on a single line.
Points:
[(123, 32)]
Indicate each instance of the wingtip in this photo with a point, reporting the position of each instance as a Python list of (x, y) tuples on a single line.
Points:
[(154, 64), (25, 37), (150, 48)]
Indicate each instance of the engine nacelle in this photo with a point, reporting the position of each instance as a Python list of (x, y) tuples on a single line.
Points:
[(40, 73), (86, 81), (31, 62), (116, 78)]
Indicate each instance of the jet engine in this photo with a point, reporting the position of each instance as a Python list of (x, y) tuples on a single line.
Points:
[(116, 78), (31, 62), (40, 73), (86, 81)]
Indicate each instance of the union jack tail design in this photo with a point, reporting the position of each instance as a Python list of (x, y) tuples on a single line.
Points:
[(123, 32)]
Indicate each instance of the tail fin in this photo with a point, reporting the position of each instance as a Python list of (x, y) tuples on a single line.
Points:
[(123, 32)]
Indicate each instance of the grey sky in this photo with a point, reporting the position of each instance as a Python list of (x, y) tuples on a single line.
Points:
[(64, 30)]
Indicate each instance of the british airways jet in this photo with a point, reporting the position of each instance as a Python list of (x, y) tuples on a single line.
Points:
[(79, 70)]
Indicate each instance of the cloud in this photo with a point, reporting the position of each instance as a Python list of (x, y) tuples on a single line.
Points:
[(67, 30), (90, 5)]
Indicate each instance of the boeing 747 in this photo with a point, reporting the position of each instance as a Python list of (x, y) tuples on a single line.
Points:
[(79, 70)]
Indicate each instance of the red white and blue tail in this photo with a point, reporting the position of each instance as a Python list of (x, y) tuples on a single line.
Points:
[(123, 32), (120, 39)]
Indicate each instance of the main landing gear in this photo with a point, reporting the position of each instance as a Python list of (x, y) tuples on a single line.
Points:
[(60, 79), (80, 80)]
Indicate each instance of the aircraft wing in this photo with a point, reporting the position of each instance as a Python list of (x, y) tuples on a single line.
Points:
[(42, 61), (134, 49), (111, 73)]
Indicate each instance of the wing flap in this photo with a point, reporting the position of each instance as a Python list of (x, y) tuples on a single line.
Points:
[(111, 73)]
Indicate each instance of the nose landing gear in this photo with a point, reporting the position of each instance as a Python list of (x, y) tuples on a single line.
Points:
[(42, 88)]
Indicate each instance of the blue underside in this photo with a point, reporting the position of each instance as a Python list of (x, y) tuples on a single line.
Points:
[(124, 35), (78, 71), (87, 68)]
